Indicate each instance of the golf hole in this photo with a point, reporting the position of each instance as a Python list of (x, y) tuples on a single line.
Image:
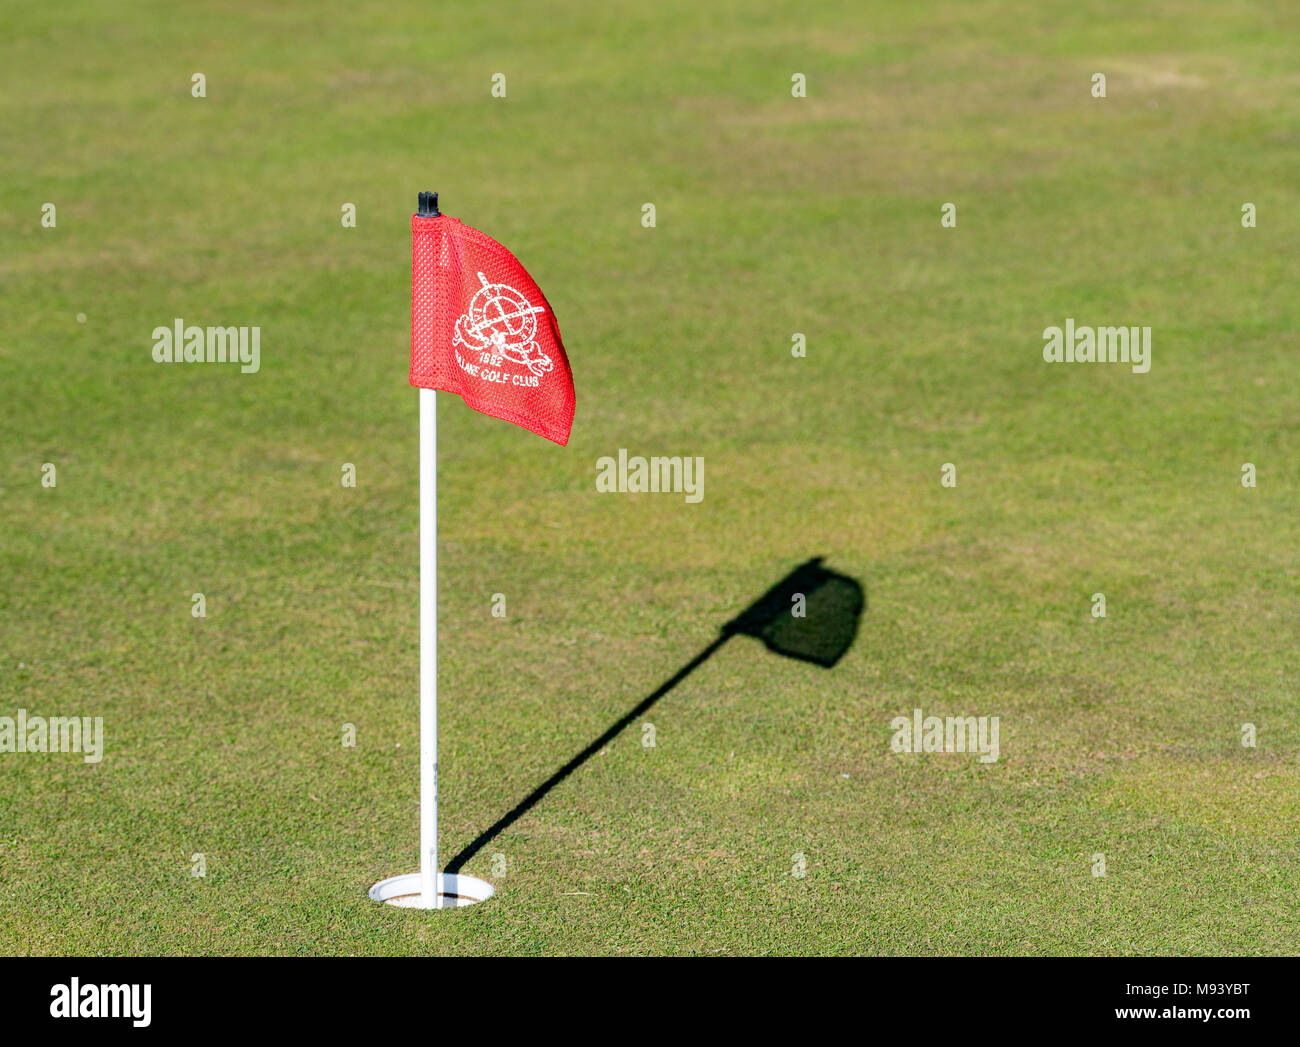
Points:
[(455, 891)]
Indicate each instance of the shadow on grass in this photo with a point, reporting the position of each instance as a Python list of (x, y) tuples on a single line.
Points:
[(811, 614)]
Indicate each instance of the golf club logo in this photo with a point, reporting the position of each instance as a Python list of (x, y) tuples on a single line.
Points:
[(501, 323)]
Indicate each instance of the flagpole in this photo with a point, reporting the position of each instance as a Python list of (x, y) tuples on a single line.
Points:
[(429, 894), (428, 888)]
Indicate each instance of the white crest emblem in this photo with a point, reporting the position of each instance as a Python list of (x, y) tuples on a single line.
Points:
[(500, 321)]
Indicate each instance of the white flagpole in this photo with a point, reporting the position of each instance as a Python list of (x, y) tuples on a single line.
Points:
[(427, 888), (429, 894)]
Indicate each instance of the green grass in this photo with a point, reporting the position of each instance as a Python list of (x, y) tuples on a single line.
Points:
[(775, 215)]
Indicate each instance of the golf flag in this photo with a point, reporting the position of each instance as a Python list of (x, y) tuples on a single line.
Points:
[(482, 329)]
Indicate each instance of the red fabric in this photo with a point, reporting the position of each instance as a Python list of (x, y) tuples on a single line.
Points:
[(482, 329)]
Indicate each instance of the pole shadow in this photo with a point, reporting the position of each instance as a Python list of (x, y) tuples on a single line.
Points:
[(811, 615)]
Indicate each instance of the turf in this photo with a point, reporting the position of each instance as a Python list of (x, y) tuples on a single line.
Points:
[(1119, 736)]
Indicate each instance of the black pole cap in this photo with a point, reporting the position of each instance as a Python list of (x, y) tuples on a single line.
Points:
[(429, 206)]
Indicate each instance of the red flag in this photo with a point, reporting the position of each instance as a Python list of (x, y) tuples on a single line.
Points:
[(482, 329)]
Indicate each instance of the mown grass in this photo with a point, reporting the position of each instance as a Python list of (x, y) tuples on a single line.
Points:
[(775, 215)]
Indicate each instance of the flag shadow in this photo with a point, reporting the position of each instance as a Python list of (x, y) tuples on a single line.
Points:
[(811, 614)]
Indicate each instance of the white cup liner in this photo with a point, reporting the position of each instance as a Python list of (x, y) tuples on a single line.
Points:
[(455, 890)]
